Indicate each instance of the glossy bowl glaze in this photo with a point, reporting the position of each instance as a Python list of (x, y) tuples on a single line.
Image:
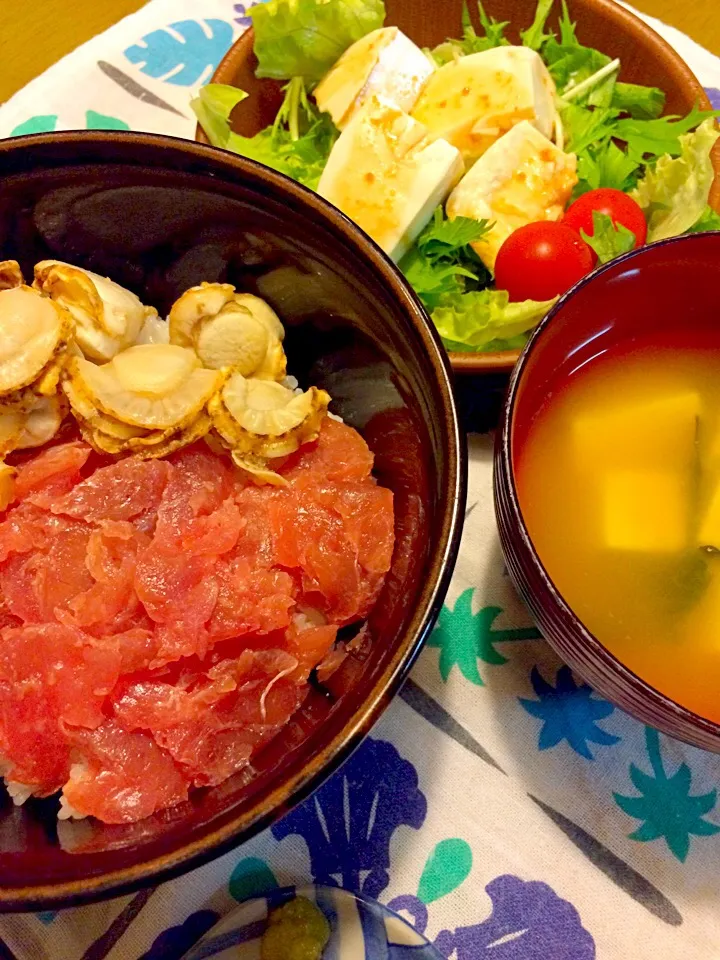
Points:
[(642, 293), (646, 58), (159, 215)]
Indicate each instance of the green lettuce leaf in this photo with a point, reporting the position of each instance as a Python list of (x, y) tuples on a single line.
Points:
[(297, 144), (471, 42), (534, 37), (648, 140), (642, 103), (674, 194), (213, 106), (584, 127), (607, 166), (708, 220), (304, 38), (608, 239), (442, 238), (477, 318)]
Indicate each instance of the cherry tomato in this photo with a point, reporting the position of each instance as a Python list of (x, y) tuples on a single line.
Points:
[(541, 260), (617, 205)]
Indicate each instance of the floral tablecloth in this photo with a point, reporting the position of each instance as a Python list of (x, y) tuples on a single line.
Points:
[(500, 804)]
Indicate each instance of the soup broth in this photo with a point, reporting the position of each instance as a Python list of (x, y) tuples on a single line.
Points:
[(619, 486)]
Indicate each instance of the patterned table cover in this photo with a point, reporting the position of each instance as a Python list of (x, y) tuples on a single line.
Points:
[(500, 804)]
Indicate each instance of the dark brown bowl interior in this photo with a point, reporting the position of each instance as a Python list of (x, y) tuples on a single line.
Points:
[(659, 290), (159, 215), (646, 58)]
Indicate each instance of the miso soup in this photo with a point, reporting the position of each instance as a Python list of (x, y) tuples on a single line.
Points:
[(619, 486)]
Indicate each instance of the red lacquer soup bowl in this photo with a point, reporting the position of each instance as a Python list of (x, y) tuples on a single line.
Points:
[(159, 215), (651, 292)]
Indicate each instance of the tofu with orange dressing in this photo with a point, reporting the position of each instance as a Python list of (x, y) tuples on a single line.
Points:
[(388, 175), (472, 101), (385, 63), (521, 179)]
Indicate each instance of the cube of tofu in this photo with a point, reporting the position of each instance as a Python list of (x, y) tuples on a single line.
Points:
[(388, 175), (522, 178), (642, 433), (645, 511), (384, 63), (474, 100)]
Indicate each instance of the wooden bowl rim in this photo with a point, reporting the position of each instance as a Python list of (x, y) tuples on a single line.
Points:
[(504, 361)]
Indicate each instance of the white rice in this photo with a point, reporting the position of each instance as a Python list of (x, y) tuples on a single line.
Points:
[(20, 792), (67, 811)]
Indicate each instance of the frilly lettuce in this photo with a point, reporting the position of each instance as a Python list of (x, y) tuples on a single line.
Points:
[(674, 194), (475, 319), (304, 38)]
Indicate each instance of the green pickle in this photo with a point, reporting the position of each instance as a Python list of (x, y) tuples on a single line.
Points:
[(296, 931)]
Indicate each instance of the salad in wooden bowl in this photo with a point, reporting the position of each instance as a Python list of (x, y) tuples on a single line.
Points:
[(496, 161)]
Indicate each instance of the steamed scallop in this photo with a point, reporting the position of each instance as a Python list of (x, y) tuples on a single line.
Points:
[(108, 317), (33, 331), (23, 428), (228, 329), (154, 386), (10, 274), (267, 419), (42, 422)]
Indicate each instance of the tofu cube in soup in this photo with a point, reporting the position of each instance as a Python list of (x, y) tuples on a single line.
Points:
[(474, 100), (387, 174), (384, 63), (652, 433), (645, 511), (521, 179)]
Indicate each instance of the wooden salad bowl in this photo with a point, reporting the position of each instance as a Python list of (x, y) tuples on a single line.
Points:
[(646, 58)]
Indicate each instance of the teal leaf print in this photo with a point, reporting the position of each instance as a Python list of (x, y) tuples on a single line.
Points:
[(251, 877), (569, 712), (42, 123), (185, 53), (463, 638), (100, 121), (665, 805), (446, 868)]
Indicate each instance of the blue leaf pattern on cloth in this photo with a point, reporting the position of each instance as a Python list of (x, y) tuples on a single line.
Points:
[(529, 921), (174, 942), (101, 121), (42, 123), (184, 53), (714, 97), (569, 712), (349, 822), (241, 9)]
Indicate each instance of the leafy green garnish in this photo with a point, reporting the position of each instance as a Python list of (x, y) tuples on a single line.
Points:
[(441, 263), (608, 239), (471, 42), (607, 166), (442, 239), (304, 38), (213, 106), (674, 193), (642, 103), (649, 140), (534, 37), (479, 317), (708, 220), (585, 127), (297, 144)]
